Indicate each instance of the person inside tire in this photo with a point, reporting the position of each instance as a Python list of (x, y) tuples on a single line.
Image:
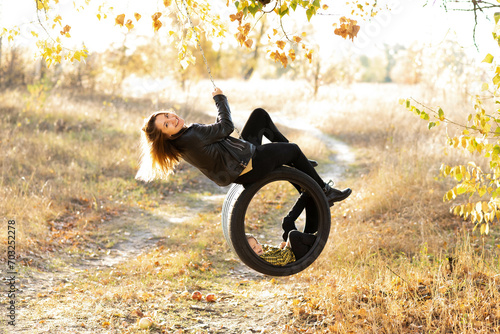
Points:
[(297, 245), (222, 158)]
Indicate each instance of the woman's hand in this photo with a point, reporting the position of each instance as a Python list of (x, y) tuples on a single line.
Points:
[(217, 91)]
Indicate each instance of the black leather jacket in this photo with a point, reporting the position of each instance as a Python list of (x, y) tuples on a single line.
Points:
[(209, 147)]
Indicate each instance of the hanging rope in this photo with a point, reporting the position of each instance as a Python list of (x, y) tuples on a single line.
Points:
[(199, 44), (203, 53)]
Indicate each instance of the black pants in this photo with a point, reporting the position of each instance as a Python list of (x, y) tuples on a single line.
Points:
[(311, 225), (270, 156), (300, 243)]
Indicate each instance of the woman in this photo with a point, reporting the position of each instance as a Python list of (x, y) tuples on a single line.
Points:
[(222, 158)]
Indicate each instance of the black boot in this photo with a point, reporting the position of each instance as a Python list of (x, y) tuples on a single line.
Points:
[(334, 195), (287, 226)]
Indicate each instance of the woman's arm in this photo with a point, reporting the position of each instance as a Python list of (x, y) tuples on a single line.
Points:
[(223, 126)]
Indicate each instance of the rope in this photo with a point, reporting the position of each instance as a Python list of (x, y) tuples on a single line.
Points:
[(199, 44), (203, 53)]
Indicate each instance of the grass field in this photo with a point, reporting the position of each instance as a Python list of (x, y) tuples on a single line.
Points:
[(396, 262)]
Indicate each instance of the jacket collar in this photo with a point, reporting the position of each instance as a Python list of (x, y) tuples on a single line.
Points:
[(178, 134)]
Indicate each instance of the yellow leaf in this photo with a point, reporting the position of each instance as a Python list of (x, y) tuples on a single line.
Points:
[(348, 28), (275, 31), (296, 39), (99, 17), (120, 19), (248, 43), (65, 30), (309, 56), (167, 2), (58, 19), (34, 34), (156, 16), (137, 16), (283, 59), (281, 44), (129, 25)]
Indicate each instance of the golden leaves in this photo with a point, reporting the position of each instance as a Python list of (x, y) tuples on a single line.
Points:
[(309, 56), (119, 20), (242, 35), (58, 19), (236, 17), (281, 57), (65, 31), (348, 28), (167, 3), (281, 44), (156, 21), (129, 25), (42, 4)]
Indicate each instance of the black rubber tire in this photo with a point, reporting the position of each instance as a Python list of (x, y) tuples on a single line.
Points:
[(234, 209)]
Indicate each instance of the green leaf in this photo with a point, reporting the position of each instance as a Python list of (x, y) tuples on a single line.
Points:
[(488, 59), (293, 4), (431, 125), (441, 114), (317, 3), (253, 9), (497, 17), (310, 13)]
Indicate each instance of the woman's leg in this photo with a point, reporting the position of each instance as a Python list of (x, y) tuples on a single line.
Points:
[(300, 243), (270, 156), (260, 124), (288, 223)]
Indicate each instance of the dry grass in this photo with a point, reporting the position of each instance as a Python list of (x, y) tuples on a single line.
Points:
[(396, 261), (69, 163)]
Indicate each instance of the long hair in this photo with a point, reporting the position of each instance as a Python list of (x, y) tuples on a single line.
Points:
[(159, 156)]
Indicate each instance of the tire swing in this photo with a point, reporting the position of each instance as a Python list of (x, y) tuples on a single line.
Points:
[(235, 208)]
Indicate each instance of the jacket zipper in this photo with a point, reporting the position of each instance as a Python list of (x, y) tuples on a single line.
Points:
[(239, 147)]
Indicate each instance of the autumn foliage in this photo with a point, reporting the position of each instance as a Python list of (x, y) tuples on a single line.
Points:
[(284, 49), (480, 139)]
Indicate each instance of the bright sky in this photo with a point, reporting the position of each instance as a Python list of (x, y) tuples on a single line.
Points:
[(407, 22)]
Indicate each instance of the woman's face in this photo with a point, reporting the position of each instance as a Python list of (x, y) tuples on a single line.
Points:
[(169, 123), (257, 248)]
